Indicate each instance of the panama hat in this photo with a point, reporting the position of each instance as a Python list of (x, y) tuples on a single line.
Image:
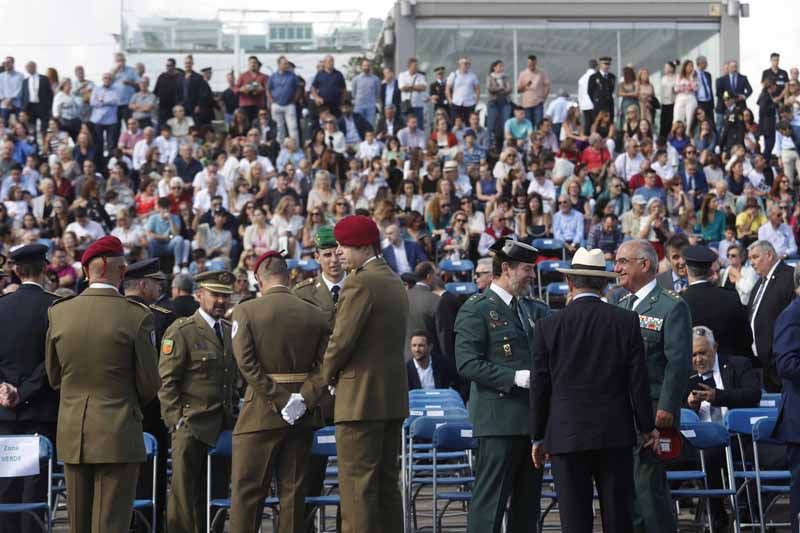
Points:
[(588, 263)]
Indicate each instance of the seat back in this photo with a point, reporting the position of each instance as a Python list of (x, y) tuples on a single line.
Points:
[(224, 445), (461, 287), (741, 420), (688, 416), (705, 435), (150, 445), (548, 245), (769, 400), (423, 427), (455, 436), (432, 393), (762, 431), (324, 442), (457, 266), (418, 404)]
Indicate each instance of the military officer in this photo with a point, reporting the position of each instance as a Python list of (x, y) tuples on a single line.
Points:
[(365, 362), (717, 308), (437, 91), (198, 375), (601, 87), (323, 292), (143, 284), (733, 127), (666, 325), (100, 352), (278, 341), (494, 339), (27, 403)]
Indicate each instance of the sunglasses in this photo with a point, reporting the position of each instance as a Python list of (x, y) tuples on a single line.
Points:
[(462, 220), (479, 274), (329, 122)]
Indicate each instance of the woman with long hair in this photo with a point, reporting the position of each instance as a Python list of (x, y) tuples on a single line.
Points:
[(685, 99), (260, 235), (572, 129), (438, 213), (655, 227), (147, 198), (604, 127), (706, 137), (738, 275), (668, 80), (535, 222), (323, 194), (288, 224), (455, 241), (781, 191), (646, 92), (409, 200), (712, 219), (627, 90), (314, 220), (678, 137), (499, 104), (240, 125)]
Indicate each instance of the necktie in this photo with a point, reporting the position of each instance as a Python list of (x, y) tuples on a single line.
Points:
[(757, 299), (680, 284), (335, 293), (218, 331), (705, 84), (733, 82), (516, 307), (632, 302)]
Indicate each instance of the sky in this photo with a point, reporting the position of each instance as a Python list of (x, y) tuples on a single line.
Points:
[(70, 38)]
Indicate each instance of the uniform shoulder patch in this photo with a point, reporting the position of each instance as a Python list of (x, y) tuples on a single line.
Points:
[(160, 309), (305, 283), (167, 345)]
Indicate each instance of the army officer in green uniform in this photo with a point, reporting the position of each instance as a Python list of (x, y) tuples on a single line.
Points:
[(494, 337), (666, 325), (322, 291), (198, 375)]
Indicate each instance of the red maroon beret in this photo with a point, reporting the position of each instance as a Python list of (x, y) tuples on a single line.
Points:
[(107, 246), (356, 230), (265, 256)]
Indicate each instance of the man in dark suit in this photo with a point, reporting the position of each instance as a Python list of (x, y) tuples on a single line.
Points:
[(352, 124), (718, 383), (601, 87), (786, 349), (705, 89), (717, 308), (675, 278), (422, 304), (771, 295), (575, 382), (194, 93), (438, 91), (426, 369), (390, 91), (402, 256), (389, 124), (183, 302), (735, 84), (37, 96), (27, 403)]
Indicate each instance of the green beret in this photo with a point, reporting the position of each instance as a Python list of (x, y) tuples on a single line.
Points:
[(324, 238)]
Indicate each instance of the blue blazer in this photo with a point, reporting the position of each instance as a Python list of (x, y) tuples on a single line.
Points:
[(362, 126), (724, 85), (414, 253), (786, 354)]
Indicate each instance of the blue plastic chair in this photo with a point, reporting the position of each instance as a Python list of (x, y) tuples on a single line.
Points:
[(689, 417), (140, 506), (550, 246), (770, 400), (324, 445), (460, 266), (33, 509), (768, 481), (556, 289), (308, 265), (704, 436), (461, 288), (433, 393), (546, 268), (452, 436)]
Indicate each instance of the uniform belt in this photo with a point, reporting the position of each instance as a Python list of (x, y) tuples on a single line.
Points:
[(289, 378)]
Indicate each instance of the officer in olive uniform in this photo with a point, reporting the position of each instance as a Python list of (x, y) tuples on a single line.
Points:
[(666, 325), (601, 87), (323, 292), (733, 128), (494, 339), (437, 91), (143, 284), (278, 341), (198, 374), (27, 403), (100, 353)]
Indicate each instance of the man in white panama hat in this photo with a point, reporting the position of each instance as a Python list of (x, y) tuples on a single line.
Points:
[(588, 385)]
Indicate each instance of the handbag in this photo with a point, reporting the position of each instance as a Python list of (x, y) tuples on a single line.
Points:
[(654, 103)]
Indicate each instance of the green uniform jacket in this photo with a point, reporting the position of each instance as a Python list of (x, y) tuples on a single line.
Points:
[(276, 334), (365, 357), (666, 324), (315, 291), (100, 352), (491, 345), (198, 378)]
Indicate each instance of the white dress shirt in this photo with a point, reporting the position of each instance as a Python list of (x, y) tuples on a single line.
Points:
[(502, 293), (642, 293), (707, 411), (584, 102), (33, 88), (401, 259), (426, 380), (782, 238)]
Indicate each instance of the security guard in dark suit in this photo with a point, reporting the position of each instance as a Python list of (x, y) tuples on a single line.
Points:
[(718, 309), (733, 128), (198, 393), (494, 338), (666, 325), (437, 91), (601, 87), (323, 292), (143, 284), (27, 403)]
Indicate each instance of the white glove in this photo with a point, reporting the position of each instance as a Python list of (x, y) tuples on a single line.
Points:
[(522, 379), (294, 408), (332, 390), (179, 424)]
